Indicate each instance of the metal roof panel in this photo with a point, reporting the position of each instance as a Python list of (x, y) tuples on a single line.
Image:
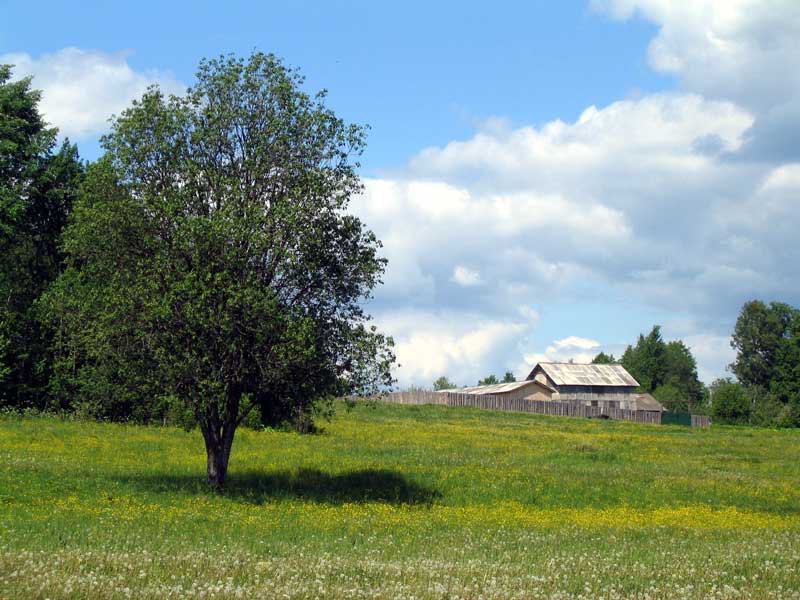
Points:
[(588, 374)]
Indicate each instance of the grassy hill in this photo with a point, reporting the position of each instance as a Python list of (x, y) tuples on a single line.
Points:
[(395, 501)]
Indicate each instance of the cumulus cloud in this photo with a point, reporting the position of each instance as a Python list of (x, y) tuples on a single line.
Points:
[(620, 197), (465, 276), (81, 89), (572, 348), (745, 51), (460, 345), (682, 201), (574, 341)]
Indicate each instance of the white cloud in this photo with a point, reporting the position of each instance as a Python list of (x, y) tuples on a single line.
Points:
[(657, 200), (571, 348), (575, 342), (621, 197), (460, 345), (81, 89), (465, 276), (713, 354), (745, 51)]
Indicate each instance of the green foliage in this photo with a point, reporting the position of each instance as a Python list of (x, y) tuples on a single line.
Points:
[(757, 338), (767, 343), (785, 384), (443, 383), (667, 370), (489, 380), (508, 377), (604, 359), (37, 189), (211, 259), (765, 409), (680, 373), (671, 397), (4, 343), (730, 402), (646, 361)]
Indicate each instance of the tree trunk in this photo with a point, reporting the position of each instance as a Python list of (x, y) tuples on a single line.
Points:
[(218, 451), (217, 463), (219, 439)]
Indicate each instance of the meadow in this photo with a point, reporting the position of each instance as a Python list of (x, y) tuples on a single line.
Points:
[(401, 501)]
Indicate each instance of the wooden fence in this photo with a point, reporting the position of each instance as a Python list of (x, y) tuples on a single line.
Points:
[(702, 421), (539, 407)]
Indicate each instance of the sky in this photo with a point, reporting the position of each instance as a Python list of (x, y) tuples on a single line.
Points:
[(549, 179)]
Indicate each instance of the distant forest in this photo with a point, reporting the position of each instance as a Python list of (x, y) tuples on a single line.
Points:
[(764, 388)]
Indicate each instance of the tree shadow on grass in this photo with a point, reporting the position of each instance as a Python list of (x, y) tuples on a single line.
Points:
[(257, 487)]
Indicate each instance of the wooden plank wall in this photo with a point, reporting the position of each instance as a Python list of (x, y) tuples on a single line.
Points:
[(539, 407), (702, 421)]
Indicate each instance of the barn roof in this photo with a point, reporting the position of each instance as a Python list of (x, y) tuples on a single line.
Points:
[(496, 388), (583, 374), (647, 402)]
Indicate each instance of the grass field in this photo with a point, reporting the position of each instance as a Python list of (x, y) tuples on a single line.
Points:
[(395, 501)]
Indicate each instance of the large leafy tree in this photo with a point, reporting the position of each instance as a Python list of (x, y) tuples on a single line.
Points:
[(756, 338), (646, 360), (211, 258), (785, 384), (681, 389), (730, 402), (665, 369), (37, 187)]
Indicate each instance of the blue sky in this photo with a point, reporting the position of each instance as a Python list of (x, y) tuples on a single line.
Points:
[(419, 73), (549, 178)]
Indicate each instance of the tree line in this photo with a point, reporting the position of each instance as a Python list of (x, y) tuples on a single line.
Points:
[(764, 389), (666, 370), (203, 271)]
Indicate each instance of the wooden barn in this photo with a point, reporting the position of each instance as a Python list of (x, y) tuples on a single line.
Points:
[(594, 385), (527, 390), (606, 386)]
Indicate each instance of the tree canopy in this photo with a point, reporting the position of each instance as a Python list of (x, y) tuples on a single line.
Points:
[(757, 338), (665, 369), (211, 261), (730, 402), (37, 188), (604, 359), (443, 383)]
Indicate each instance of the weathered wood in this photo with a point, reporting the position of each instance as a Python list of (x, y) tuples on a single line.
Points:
[(702, 421), (542, 407)]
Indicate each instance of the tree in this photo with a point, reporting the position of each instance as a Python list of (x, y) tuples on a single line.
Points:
[(37, 189), (646, 360), (785, 383), (489, 380), (604, 359), (443, 383), (508, 377), (756, 338), (680, 373), (671, 397), (730, 402), (211, 257), (666, 370)]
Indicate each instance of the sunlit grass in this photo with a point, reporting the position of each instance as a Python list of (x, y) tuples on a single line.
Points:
[(402, 501)]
